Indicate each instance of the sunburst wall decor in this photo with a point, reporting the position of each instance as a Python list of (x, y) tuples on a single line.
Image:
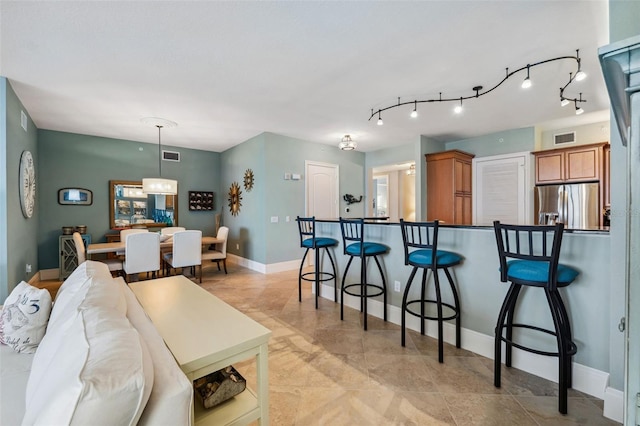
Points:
[(235, 198), (248, 180)]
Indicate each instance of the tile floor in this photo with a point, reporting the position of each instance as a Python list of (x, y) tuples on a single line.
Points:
[(330, 372), (323, 371)]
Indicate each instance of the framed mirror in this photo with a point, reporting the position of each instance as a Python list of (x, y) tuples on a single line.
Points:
[(75, 197), (129, 206)]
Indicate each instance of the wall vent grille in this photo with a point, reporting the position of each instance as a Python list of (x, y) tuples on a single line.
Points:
[(171, 156), (564, 138)]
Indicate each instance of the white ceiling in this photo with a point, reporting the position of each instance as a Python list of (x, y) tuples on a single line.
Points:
[(227, 71)]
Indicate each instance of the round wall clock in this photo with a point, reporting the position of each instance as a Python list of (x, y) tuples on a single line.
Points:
[(27, 184), (248, 179), (235, 198)]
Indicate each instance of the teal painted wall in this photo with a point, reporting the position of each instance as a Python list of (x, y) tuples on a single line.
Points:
[(73, 160), (287, 197), (246, 230), (21, 233), (504, 142), (269, 156)]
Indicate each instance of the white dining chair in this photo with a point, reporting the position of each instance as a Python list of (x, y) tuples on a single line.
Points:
[(170, 230), (115, 265), (142, 254), (125, 232), (219, 253), (187, 251)]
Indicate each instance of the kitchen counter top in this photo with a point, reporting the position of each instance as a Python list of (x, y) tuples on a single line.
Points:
[(374, 221)]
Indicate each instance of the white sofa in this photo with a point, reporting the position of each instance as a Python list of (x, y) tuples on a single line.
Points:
[(101, 361)]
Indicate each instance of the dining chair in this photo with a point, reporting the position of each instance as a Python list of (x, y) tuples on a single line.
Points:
[(219, 253), (187, 251), (142, 254), (125, 232), (115, 265), (170, 230)]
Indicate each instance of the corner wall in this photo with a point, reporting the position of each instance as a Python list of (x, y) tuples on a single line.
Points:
[(21, 233)]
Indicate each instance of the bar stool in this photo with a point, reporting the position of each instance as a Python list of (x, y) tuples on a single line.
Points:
[(308, 241), (420, 241), (355, 246), (534, 263)]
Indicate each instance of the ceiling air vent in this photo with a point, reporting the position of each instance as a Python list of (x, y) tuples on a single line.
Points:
[(564, 138), (170, 156)]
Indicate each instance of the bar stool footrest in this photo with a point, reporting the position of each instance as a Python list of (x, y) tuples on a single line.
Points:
[(311, 276), (380, 289), (419, 315), (572, 348)]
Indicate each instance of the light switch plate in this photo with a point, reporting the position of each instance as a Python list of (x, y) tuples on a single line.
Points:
[(287, 176), (274, 219)]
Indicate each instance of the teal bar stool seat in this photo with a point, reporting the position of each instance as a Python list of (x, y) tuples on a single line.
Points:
[(309, 241), (355, 246), (528, 259), (420, 240)]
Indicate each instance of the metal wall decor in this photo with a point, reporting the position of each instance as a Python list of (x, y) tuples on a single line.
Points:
[(201, 200), (235, 198), (248, 180)]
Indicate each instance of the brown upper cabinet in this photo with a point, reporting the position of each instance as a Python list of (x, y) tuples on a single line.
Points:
[(449, 187), (576, 164)]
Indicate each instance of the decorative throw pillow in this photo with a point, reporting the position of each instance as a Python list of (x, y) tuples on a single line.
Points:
[(24, 317)]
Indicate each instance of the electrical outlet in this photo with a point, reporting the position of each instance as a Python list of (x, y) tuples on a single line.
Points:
[(287, 219), (27, 268), (396, 286), (237, 246), (274, 219)]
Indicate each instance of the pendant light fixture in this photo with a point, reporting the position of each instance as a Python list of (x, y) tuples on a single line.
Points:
[(159, 185)]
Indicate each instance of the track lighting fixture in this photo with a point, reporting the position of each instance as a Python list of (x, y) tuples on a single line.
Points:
[(347, 144), (527, 81), (564, 100), (579, 110), (458, 108)]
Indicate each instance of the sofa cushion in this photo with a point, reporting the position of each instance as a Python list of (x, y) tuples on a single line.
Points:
[(172, 394), (98, 372), (14, 373), (90, 284), (24, 317)]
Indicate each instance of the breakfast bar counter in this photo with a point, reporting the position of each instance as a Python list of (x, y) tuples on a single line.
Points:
[(481, 293)]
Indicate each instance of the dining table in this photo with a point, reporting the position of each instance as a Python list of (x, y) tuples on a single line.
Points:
[(115, 247)]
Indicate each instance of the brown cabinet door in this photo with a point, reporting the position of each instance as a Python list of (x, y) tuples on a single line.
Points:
[(440, 184), (549, 167), (463, 211), (583, 164)]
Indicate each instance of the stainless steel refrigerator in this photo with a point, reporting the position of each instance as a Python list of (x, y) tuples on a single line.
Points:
[(576, 205)]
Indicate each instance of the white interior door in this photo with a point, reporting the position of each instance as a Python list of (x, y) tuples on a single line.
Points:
[(322, 190)]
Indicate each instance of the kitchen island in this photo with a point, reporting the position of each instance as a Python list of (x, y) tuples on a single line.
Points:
[(481, 295)]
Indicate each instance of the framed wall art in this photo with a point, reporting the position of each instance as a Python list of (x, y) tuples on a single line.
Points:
[(201, 200)]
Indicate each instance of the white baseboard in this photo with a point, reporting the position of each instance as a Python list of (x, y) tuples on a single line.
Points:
[(614, 404), (270, 268), (585, 379)]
